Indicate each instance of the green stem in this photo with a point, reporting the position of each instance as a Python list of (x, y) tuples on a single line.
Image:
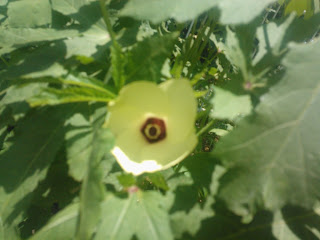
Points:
[(106, 19), (205, 128)]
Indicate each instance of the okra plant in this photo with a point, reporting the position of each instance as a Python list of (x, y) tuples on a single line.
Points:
[(159, 119)]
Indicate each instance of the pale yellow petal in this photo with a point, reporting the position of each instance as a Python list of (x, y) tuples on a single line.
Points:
[(136, 102), (169, 152), (183, 107), (131, 141), (145, 96)]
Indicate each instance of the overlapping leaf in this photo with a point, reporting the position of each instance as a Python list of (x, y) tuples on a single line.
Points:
[(14, 38), (68, 7), (61, 226), (193, 195), (73, 89), (232, 12), (277, 147), (227, 105), (36, 140), (290, 223), (91, 32), (26, 14), (143, 214), (93, 190), (145, 61), (80, 137)]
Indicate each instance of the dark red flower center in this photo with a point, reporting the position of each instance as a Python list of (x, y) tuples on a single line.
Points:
[(154, 130)]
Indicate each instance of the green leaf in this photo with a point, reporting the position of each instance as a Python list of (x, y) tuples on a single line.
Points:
[(190, 221), (291, 223), (36, 92), (92, 190), (51, 96), (92, 33), (226, 225), (14, 38), (90, 43), (238, 47), (158, 180), (126, 180), (295, 223), (193, 200), (145, 61), (241, 12), (25, 14), (81, 89), (6, 118), (86, 12), (277, 148), (271, 39), (16, 94), (274, 39), (61, 226), (68, 7), (36, 140), (143, 214), (227, 105), (70, 80), (300, 7), (52, 195), (3, 2), (302, 29), (80, 137), (42, 62), (72, 41), (232, 12)]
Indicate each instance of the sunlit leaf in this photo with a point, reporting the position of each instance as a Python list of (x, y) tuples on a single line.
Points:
[(26, 14), (301, 7), (92, 190), (227, 105), (35, 142), (276, 148), (232, 12), (13, 38), (61, 226), (80, 137), (145, 61), (142, 214)]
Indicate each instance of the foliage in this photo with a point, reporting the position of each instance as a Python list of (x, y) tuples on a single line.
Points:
[(254, 70)]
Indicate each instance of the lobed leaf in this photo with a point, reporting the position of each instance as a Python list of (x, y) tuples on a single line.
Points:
[(93, 190), (61, 226), (232, 11), (26, 14), (276, 148), (142, 214), (146, 59), (34, 145), (14, 38), (80, 137), (227, 105)]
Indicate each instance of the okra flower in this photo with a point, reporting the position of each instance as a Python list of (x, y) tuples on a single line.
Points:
[(153, 125)]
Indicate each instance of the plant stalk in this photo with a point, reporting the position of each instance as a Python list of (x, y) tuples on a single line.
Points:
[(205, 128), (106, 18)]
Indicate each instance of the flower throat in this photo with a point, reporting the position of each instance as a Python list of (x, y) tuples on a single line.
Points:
[(154, 130)]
